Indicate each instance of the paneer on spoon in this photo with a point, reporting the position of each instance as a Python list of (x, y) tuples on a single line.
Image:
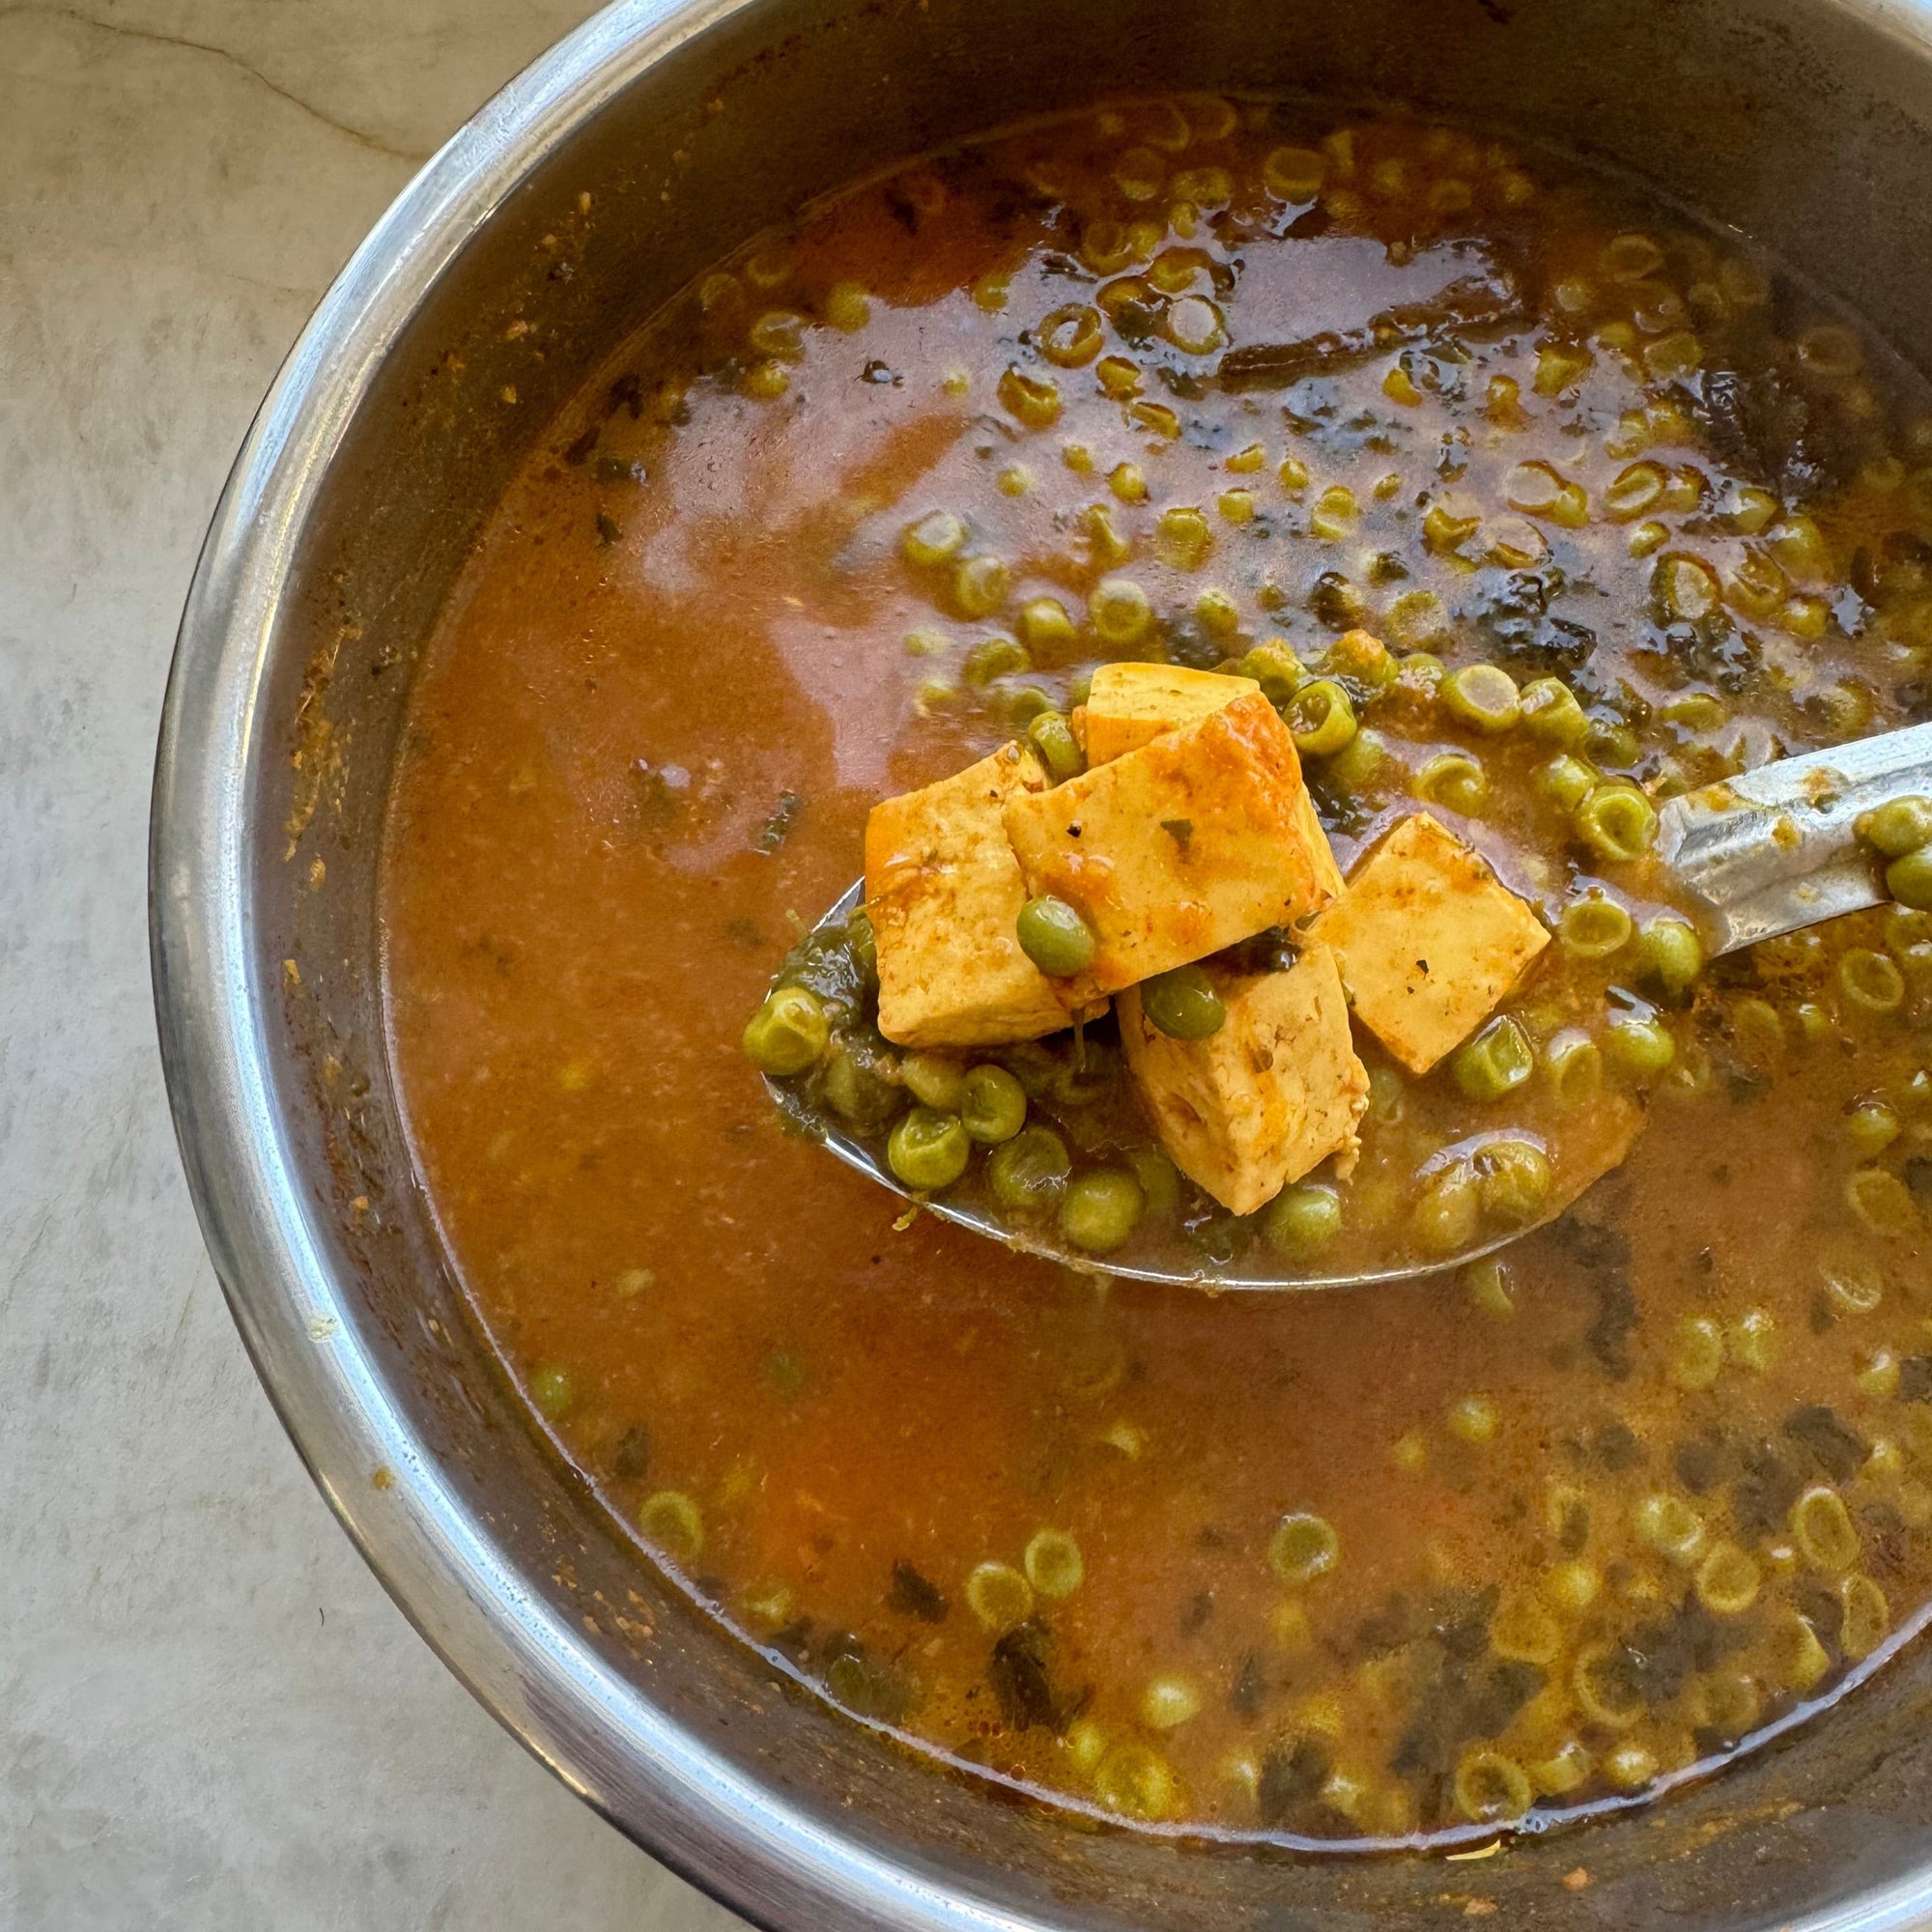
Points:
[(1106, 995)]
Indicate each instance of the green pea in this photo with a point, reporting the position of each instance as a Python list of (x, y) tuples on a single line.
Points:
[(1871, 1126), (1455, 779), (1121, 611), (994, 656), (1449, 1210), (992, 1105), (1610, 744), (1574, 1063), (980, 585), (1021, 703), (1566, 782), (1303, 1547), (673, 1523), (1496, 1062), (1488, 1288), (1421, 672), (1169, 1702), (1054, 1565), (998, 1595), (1899, 826), (934, 538), (929, 1149), (1670, 1526), (1302, 1219), (1882, 1200), (1276, 669), (1136, 1781), (1388, 1096), (1159, 1180), (1908, 934), (1054, 936), (1359, 762), (1672, 953), (1052, 738), (1641, 1043), (787, 1034), (1029, 1172), (1183, 1004), (1617, 822), (1321, 717), (1483, 696), (858, 1092), (1593, 927), (1101, 1210), (1550, 712), (933, 1080), (1909, 879), (554, 1390), (1822, 1528), (1871, 980), (1513, 1180)]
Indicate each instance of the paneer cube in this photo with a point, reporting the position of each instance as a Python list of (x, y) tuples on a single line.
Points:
[(1430, 940), (1258, 1104), (1195, 842), (1131, 703), (944, 890)]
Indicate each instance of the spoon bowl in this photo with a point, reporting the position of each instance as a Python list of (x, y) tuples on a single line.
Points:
[(1250, 1273)]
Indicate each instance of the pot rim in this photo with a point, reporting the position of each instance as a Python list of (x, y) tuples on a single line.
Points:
[(764, 1857)]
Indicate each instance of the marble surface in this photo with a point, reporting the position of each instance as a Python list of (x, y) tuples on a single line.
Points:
[(211, 1716)]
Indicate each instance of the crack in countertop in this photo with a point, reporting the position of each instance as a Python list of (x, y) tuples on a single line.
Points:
[(372, 143)]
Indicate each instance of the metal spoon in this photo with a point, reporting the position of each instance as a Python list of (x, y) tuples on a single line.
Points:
[(1765, 853)]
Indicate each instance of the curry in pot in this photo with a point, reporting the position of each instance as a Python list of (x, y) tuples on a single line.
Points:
[(1519, 503)]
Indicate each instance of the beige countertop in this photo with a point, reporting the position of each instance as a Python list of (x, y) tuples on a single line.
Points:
[(211, 1716)]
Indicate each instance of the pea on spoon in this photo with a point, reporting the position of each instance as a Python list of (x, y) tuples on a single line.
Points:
[(1769, 852)]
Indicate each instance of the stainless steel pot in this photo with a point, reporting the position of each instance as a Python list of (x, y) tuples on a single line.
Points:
[(1807, 123)]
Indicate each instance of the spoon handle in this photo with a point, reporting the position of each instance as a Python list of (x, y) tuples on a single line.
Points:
[(1775, 849)]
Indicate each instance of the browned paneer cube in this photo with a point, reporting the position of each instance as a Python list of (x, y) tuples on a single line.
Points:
[(1195, 842), (1131, 703), (1430, 939), (1270, 1095), (944, 890)]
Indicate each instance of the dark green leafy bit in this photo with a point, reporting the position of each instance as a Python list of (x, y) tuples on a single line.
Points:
[(1292, 1774), (608, 530), (1022, 1679), (866, 1685), (912, 1596), (1833, 1444), (1603, 1253), (1701, 1462), (836, 964), (1762, 1495), (778, 827), (1250, 1689), (1915, 1378), (1180, 830), (632, 1458), (1616, 1447), (1654, 1661), (1462, 1695), (1511, 611)]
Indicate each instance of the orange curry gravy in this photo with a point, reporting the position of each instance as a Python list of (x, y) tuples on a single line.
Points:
[(1582, 1524)]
